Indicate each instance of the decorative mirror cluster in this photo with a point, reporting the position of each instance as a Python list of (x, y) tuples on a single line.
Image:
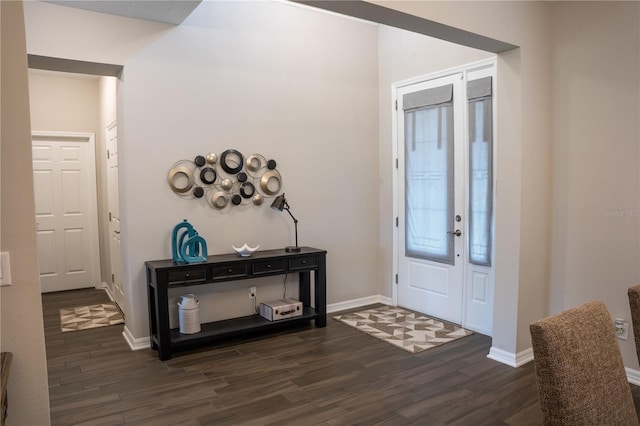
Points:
[(228, 179)]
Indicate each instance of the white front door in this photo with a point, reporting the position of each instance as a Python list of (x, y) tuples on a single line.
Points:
[(445, 197), (114, 215), (430, 271), (66, 210)]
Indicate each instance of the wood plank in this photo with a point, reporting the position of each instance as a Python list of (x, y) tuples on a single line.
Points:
[(333, 376)]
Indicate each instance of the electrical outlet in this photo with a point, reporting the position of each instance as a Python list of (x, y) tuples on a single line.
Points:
[(252, 293), (622, 329)]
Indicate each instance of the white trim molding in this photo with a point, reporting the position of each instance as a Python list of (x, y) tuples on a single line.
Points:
[(526, 356), (136, 344), (107, 290), (509, 358), (633, 376), (356, 303)]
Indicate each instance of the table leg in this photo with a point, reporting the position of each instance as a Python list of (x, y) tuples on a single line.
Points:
[(152, 315), (162, 320), (304, 288), (321, 292)]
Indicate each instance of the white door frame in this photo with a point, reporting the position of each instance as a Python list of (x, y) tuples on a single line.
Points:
[(115, 287), (88, 138), (465, 68)]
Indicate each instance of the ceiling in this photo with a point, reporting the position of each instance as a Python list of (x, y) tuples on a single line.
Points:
[(167, 11), (176, 11)]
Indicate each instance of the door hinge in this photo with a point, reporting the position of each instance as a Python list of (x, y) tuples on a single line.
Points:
[(107, 154), (396, 163), (396, 104), (113, 279), (109, 216), (396, 278), (397, 221)]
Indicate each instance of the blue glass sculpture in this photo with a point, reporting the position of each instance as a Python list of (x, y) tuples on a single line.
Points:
[(186, 245)]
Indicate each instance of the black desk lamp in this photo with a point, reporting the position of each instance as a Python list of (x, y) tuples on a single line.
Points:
[(280, 203)]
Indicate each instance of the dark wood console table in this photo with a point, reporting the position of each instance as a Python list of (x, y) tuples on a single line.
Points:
[(165, 274)]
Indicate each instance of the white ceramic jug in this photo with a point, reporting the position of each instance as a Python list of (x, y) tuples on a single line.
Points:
[(189, 314)]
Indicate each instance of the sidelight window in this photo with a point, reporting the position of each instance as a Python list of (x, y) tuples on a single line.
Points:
[(479, 93)]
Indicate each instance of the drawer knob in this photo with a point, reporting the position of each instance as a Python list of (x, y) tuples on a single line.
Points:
[(186, 275), (268, 266), (230, 270), (304, 262)]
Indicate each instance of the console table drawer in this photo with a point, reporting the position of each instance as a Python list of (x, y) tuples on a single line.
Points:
[(187, 275), (303, 262), (229, 271), (268, 266)]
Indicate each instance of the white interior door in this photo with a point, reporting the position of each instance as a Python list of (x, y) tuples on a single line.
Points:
[(114, 216), (445, 196), (66, 210)]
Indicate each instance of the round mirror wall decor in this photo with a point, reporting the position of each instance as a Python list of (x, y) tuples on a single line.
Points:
[(228, 179)]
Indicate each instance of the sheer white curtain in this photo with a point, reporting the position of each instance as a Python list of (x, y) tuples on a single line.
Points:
[(480, 176), (429, 178)]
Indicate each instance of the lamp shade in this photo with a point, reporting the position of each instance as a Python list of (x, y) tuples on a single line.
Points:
[(279, 203)]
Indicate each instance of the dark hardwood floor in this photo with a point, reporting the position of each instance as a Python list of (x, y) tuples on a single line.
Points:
[(329, 376)]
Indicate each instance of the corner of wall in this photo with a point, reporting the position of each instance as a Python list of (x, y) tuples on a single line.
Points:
[(22, 325)]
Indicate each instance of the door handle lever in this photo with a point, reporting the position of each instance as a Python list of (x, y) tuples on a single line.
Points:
[(457, 232)]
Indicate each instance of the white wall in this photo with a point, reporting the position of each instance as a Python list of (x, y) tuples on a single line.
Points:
[(299, 87), (219, 81), (63, 102), (596, 214), (579, 48), (523, 155), (224, 56), (21, 322), (65, 32)]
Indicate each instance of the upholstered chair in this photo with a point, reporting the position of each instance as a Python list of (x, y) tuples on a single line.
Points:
[(634, 304), (579, 369)]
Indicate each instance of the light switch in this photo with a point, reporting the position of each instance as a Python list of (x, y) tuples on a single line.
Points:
[(5, 269)]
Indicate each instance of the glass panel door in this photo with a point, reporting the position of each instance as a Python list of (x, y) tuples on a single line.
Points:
[(429, 179)]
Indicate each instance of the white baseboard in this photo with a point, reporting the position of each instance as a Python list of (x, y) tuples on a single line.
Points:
[(509, 358), (633, 376), (107, 290), (526, 356), (136, 344), (356, 303)]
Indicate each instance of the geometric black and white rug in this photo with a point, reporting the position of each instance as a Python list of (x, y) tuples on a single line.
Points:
[(85, 317), (404, 329)]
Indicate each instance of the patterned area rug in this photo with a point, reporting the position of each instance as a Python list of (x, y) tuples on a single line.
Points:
[(85, 317), (407, 330)]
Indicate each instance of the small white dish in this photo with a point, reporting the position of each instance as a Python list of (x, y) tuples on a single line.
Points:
[(245, 250)]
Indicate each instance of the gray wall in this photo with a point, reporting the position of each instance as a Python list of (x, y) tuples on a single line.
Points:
[(596, 207), (541, 156), (21, 322), (299, 87)]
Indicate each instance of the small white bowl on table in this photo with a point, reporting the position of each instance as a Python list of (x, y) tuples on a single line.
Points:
[(245, 250)]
